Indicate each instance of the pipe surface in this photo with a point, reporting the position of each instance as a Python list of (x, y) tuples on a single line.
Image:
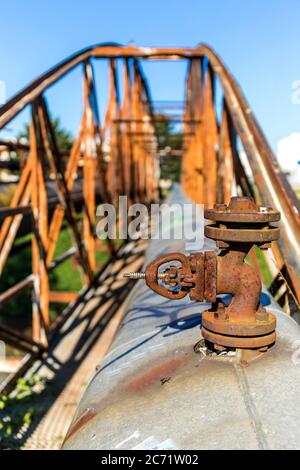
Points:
[(154, 392)]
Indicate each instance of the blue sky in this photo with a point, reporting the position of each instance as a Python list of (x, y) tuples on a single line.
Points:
[(258, 40)]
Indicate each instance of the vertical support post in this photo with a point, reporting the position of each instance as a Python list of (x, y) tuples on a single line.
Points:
[(136, 133), (115, 173), (93, 143), (40, 306), (49, 145), (149, 144), (193, 166), (9, 227), (126, 113), (225, 172), (89, 174), (210, 141)]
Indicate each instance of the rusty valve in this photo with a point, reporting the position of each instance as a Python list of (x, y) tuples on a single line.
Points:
[(236, 228)]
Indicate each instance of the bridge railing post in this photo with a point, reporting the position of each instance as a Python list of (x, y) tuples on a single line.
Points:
[(39, 204)]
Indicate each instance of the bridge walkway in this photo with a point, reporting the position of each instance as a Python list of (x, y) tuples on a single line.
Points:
[(75, 353)]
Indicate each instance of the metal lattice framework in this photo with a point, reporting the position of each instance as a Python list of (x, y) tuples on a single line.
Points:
[(212, 169)]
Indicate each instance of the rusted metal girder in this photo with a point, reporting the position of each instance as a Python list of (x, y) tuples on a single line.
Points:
[(212, 173), (243, 323), (272, 185), (111, 173), (37, 87), (271, 182)]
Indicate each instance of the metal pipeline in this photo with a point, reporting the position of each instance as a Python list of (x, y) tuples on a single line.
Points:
[(152, 390)]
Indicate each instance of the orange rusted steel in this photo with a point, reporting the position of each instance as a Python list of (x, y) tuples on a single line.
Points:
[(115, 172), (225, 166), (150, 141), (70, 174), (186, 164), (243, 323), (16, 289), (29, 94), (137, 129), (212, 168), (126, 133), (11, 224), (65, 196), (193, 166), (272, 184), (95, 129), (40, 306), (202, 145), (144, 139), (210, 140), (48, 143), (89, 171), (63, 297)]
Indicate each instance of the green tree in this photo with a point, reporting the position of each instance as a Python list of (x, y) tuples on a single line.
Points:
[(167, 134), (171, 139), (64, 137)]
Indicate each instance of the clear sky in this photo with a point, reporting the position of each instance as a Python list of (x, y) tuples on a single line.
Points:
[(259, 40)]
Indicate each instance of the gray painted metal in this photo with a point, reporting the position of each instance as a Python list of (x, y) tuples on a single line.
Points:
[(154, 392)]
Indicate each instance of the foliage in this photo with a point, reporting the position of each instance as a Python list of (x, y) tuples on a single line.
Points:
[(64, 138), (171, 139), (18, 410), (167, 134), (19, 265), (6, 194), (266, 274), (65, 277), (17, 268)]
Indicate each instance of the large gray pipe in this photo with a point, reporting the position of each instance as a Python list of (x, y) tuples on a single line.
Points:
[(154, 392)]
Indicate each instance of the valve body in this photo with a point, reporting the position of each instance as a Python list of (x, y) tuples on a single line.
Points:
[(242, 323)]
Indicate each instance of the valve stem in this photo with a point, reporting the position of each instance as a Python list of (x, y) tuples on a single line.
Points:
[(137, 276)]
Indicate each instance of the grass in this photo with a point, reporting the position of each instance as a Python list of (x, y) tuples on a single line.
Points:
[(66, 277), (6, 194), (18, 410), (17, 267), (264, 270)]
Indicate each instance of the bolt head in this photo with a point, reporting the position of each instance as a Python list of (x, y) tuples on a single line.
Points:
[(262, 315), (243, 204), (220, 207)]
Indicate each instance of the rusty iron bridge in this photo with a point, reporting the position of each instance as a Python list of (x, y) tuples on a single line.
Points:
[(223, 154)]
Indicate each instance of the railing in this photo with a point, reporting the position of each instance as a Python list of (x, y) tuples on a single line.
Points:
[(129, 169), (212, 167)]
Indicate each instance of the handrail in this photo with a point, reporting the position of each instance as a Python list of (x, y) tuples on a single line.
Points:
[(101, 179), (106, 50)]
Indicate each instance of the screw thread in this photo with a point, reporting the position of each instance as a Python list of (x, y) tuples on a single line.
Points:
[(137, 276)]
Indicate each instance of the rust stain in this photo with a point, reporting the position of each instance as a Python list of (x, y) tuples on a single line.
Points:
[(160, 374), (86, 416), (154, 375)]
